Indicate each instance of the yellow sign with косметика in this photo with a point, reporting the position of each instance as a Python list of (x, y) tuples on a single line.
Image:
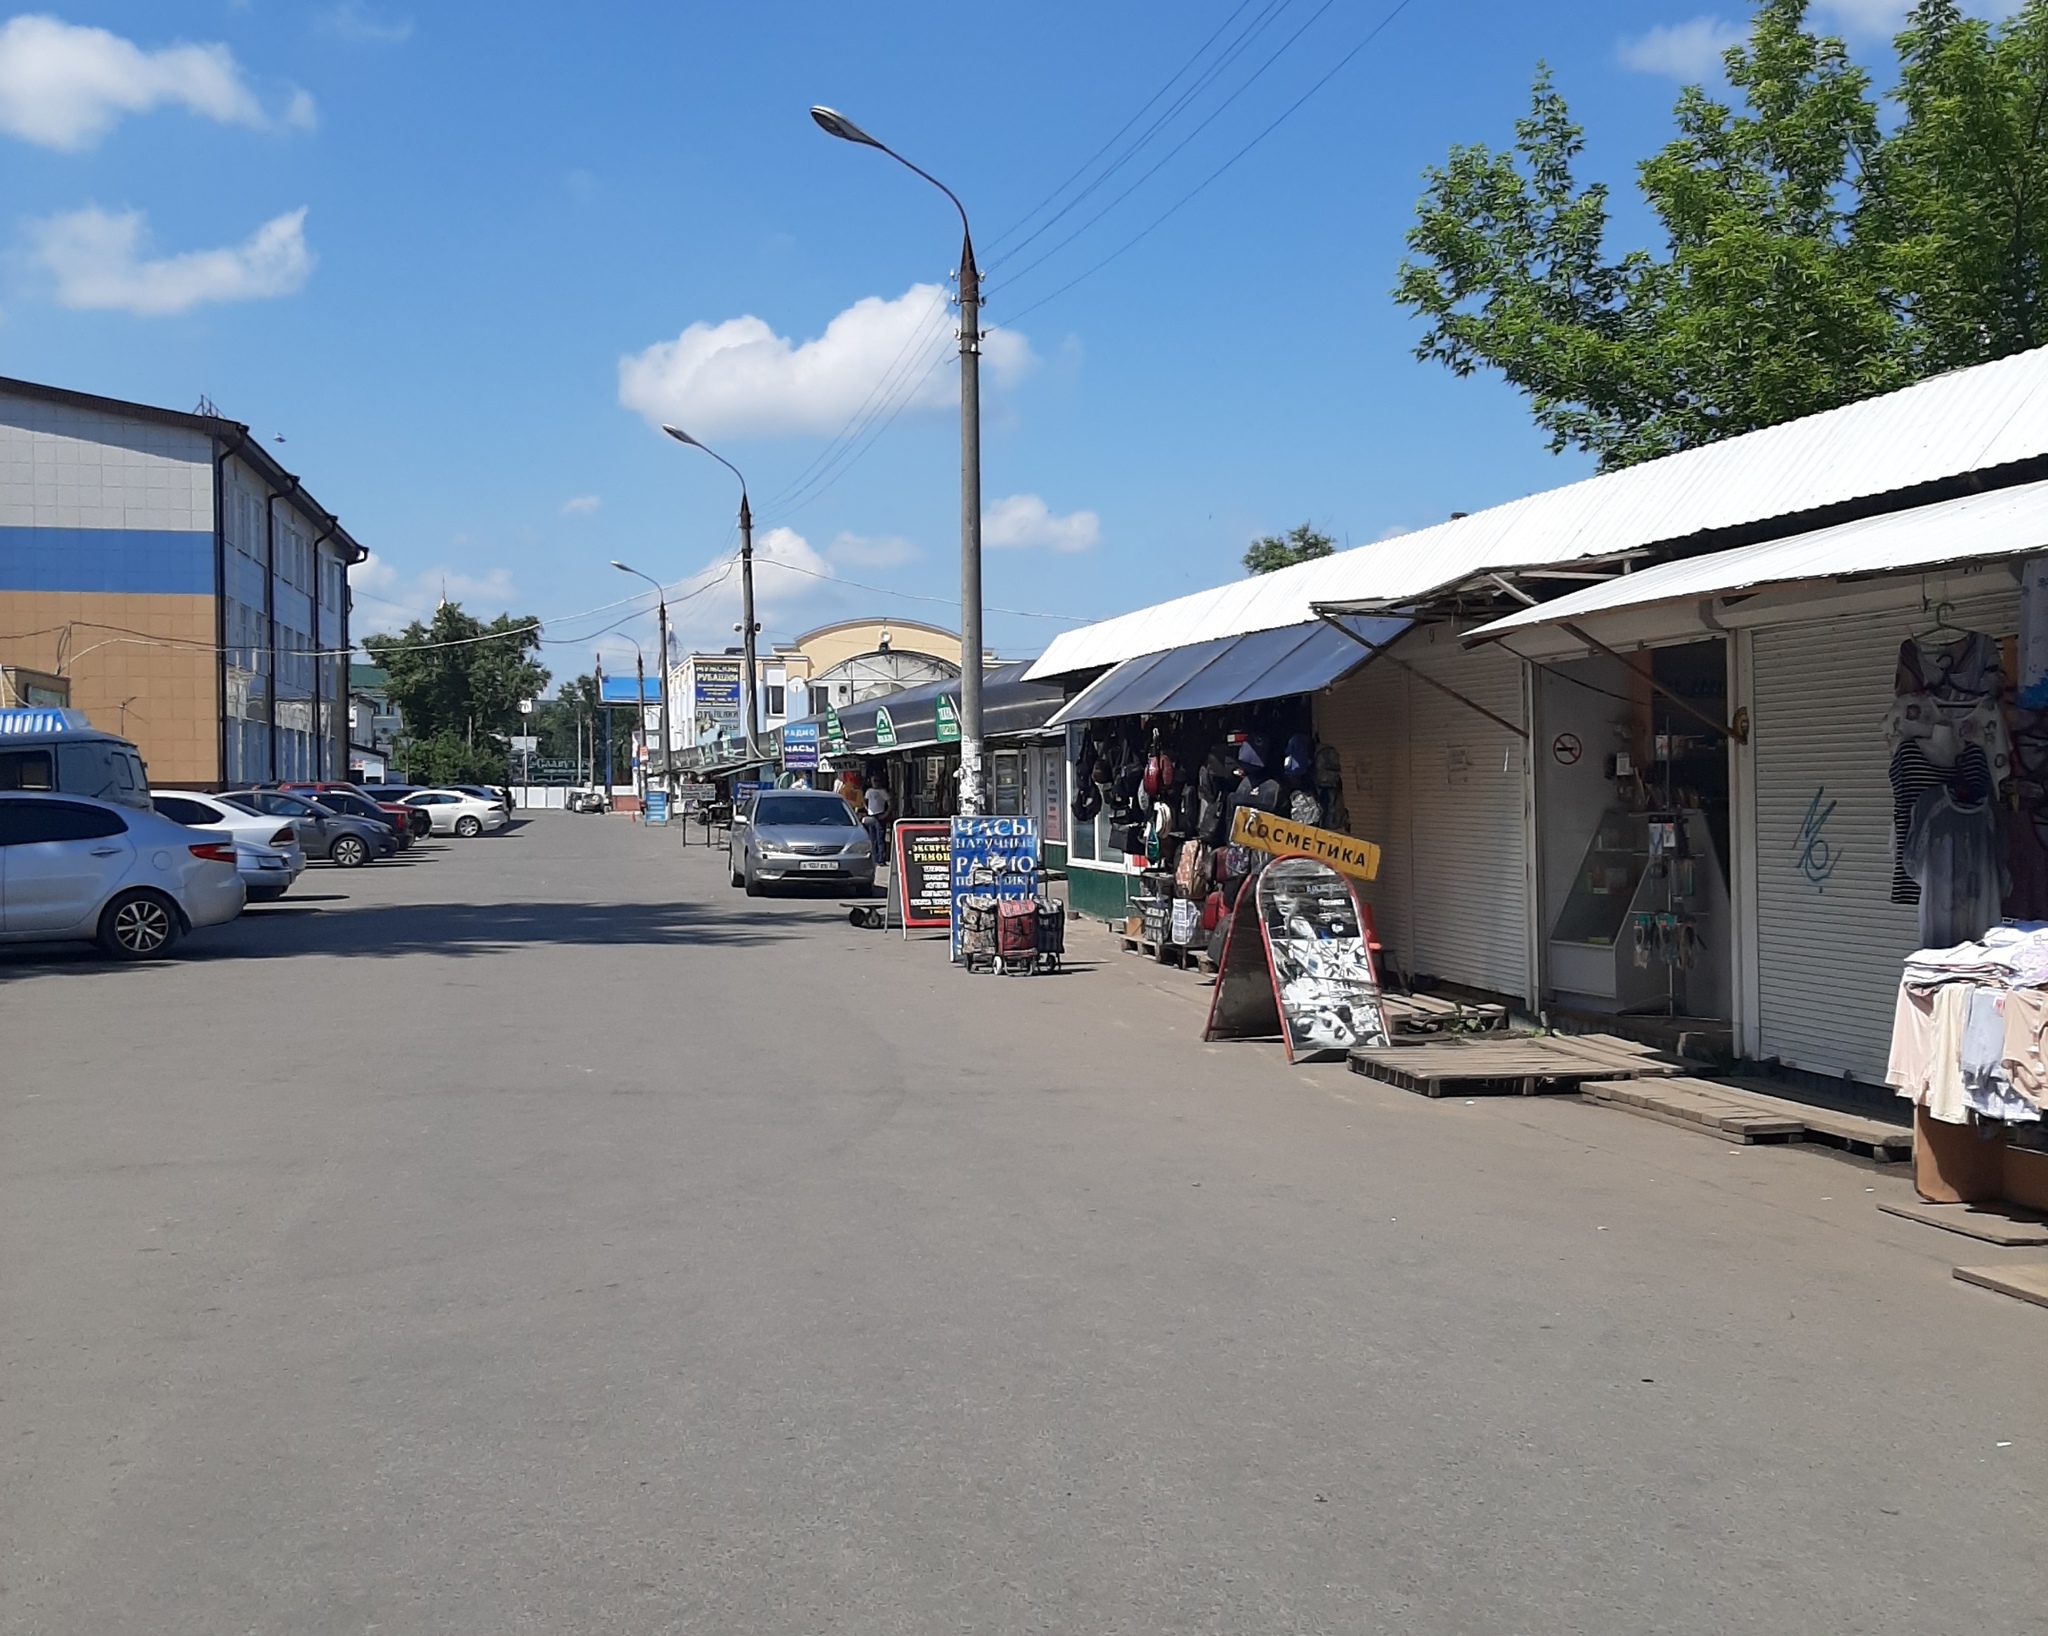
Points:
[(1263, 832)]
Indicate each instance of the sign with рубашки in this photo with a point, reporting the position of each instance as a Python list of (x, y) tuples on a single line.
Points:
[(1263, 832)]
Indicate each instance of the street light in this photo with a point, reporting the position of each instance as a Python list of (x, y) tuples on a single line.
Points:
[(747, 625), (833, 123), (661, 596)]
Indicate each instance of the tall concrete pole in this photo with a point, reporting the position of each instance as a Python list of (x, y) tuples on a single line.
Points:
[(668, 777), (972, 789), (972, 792), (747, 624)]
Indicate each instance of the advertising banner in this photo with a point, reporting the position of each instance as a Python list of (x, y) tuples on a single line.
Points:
[(1263, 832), (835, 735), (655, 808), (885, 729), (992, 857), (714, 694), (1297, 962), (947, 718), (924, 874), (800, 746)]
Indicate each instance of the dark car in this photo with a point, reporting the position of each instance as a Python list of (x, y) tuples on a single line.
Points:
[(358, 803), (322, 832), (392, 798)]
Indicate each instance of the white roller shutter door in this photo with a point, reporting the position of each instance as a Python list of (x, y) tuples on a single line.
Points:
[(1829, 939), (1443, 790)]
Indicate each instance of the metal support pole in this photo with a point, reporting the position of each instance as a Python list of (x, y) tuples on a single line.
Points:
[(747, 625), (972, 795), (640, 720), (667, 778)]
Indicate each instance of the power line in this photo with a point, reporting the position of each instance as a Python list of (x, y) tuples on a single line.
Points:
[(1173, 152), (1229, 55), (1201, 186), (945, 602), (903, 400)]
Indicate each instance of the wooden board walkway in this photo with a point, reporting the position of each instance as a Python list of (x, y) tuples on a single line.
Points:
[(1743, 1115), (1530, 1065), (2027, 1281), (1993, 1223)]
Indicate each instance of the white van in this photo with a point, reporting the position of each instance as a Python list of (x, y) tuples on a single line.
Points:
[(60, 751)]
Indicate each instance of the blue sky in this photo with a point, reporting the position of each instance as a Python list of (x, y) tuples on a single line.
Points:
[(454, 252)]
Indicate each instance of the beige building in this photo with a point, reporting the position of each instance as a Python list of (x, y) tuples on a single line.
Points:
[(838, 664)]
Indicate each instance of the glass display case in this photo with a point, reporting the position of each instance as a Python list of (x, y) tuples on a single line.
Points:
[(1597, 907)]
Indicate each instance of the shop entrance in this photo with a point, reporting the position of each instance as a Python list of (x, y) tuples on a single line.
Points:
[(1633, 833)]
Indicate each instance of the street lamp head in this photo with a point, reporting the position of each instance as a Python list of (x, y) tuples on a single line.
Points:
[(834, 123), (682, 436), (622, 568)]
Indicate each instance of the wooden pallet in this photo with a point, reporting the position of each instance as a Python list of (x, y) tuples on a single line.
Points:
[(1429, 1014), (2027, 1281), (1743, 1115), (1508, 1066)]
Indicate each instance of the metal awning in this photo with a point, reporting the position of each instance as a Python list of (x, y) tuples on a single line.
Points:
[(1977, 528), (1230, 670), (1010, 707)]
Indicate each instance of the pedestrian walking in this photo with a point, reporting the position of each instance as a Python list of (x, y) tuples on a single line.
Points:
[(876, 801)]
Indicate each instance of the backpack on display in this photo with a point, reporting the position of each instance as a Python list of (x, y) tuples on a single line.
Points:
[(1329, 768), (1127, 838), (1304, 808)]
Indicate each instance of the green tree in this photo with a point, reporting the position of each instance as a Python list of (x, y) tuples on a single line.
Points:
[(457, 683), (572, 722), (1810, 259), (1299, 544), (1962, 203)]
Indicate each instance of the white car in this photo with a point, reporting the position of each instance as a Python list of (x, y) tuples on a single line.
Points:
[(457, 812), (74, 869), (267, 854)]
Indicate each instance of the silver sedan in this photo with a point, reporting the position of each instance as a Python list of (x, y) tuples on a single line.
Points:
[(788, 836)]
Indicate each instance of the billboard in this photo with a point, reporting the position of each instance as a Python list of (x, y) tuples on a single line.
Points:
[(714, 696)]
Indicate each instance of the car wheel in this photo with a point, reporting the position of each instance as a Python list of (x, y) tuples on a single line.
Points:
[(348, 853), (738, 879), (752, 885), (469, 828), (139, 926)]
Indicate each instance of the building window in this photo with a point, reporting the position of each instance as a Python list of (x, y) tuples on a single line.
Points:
[(1009, 784), (777, 700)]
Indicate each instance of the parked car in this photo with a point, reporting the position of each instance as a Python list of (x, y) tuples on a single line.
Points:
[(346, 842), (458, 812), (75, 869), (393, 796), (61, 751), (267, 854), (587, 801), (799, 835), (349, 800)]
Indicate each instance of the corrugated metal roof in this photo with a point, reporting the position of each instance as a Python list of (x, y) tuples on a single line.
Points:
[(2004, 523), (1231, 670), (1970, 420)]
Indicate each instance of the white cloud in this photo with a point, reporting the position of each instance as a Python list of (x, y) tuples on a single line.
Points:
[(740, 378), (355, 23), (62, 86), (300, 113), (1684, 51), (876, 551), (387, 601), (1022, 521), (98, 261), (581, 505)]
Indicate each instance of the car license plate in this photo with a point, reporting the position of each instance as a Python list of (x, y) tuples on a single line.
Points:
[(823, 865)]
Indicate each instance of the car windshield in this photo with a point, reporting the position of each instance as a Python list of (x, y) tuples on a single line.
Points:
[(802, 809)]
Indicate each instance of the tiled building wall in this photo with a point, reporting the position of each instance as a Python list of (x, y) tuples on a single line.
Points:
[(140, 665)]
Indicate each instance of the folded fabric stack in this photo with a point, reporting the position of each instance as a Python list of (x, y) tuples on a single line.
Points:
[(1969, 1031)]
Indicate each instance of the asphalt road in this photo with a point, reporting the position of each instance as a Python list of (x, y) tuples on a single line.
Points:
[(537, 1236)]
